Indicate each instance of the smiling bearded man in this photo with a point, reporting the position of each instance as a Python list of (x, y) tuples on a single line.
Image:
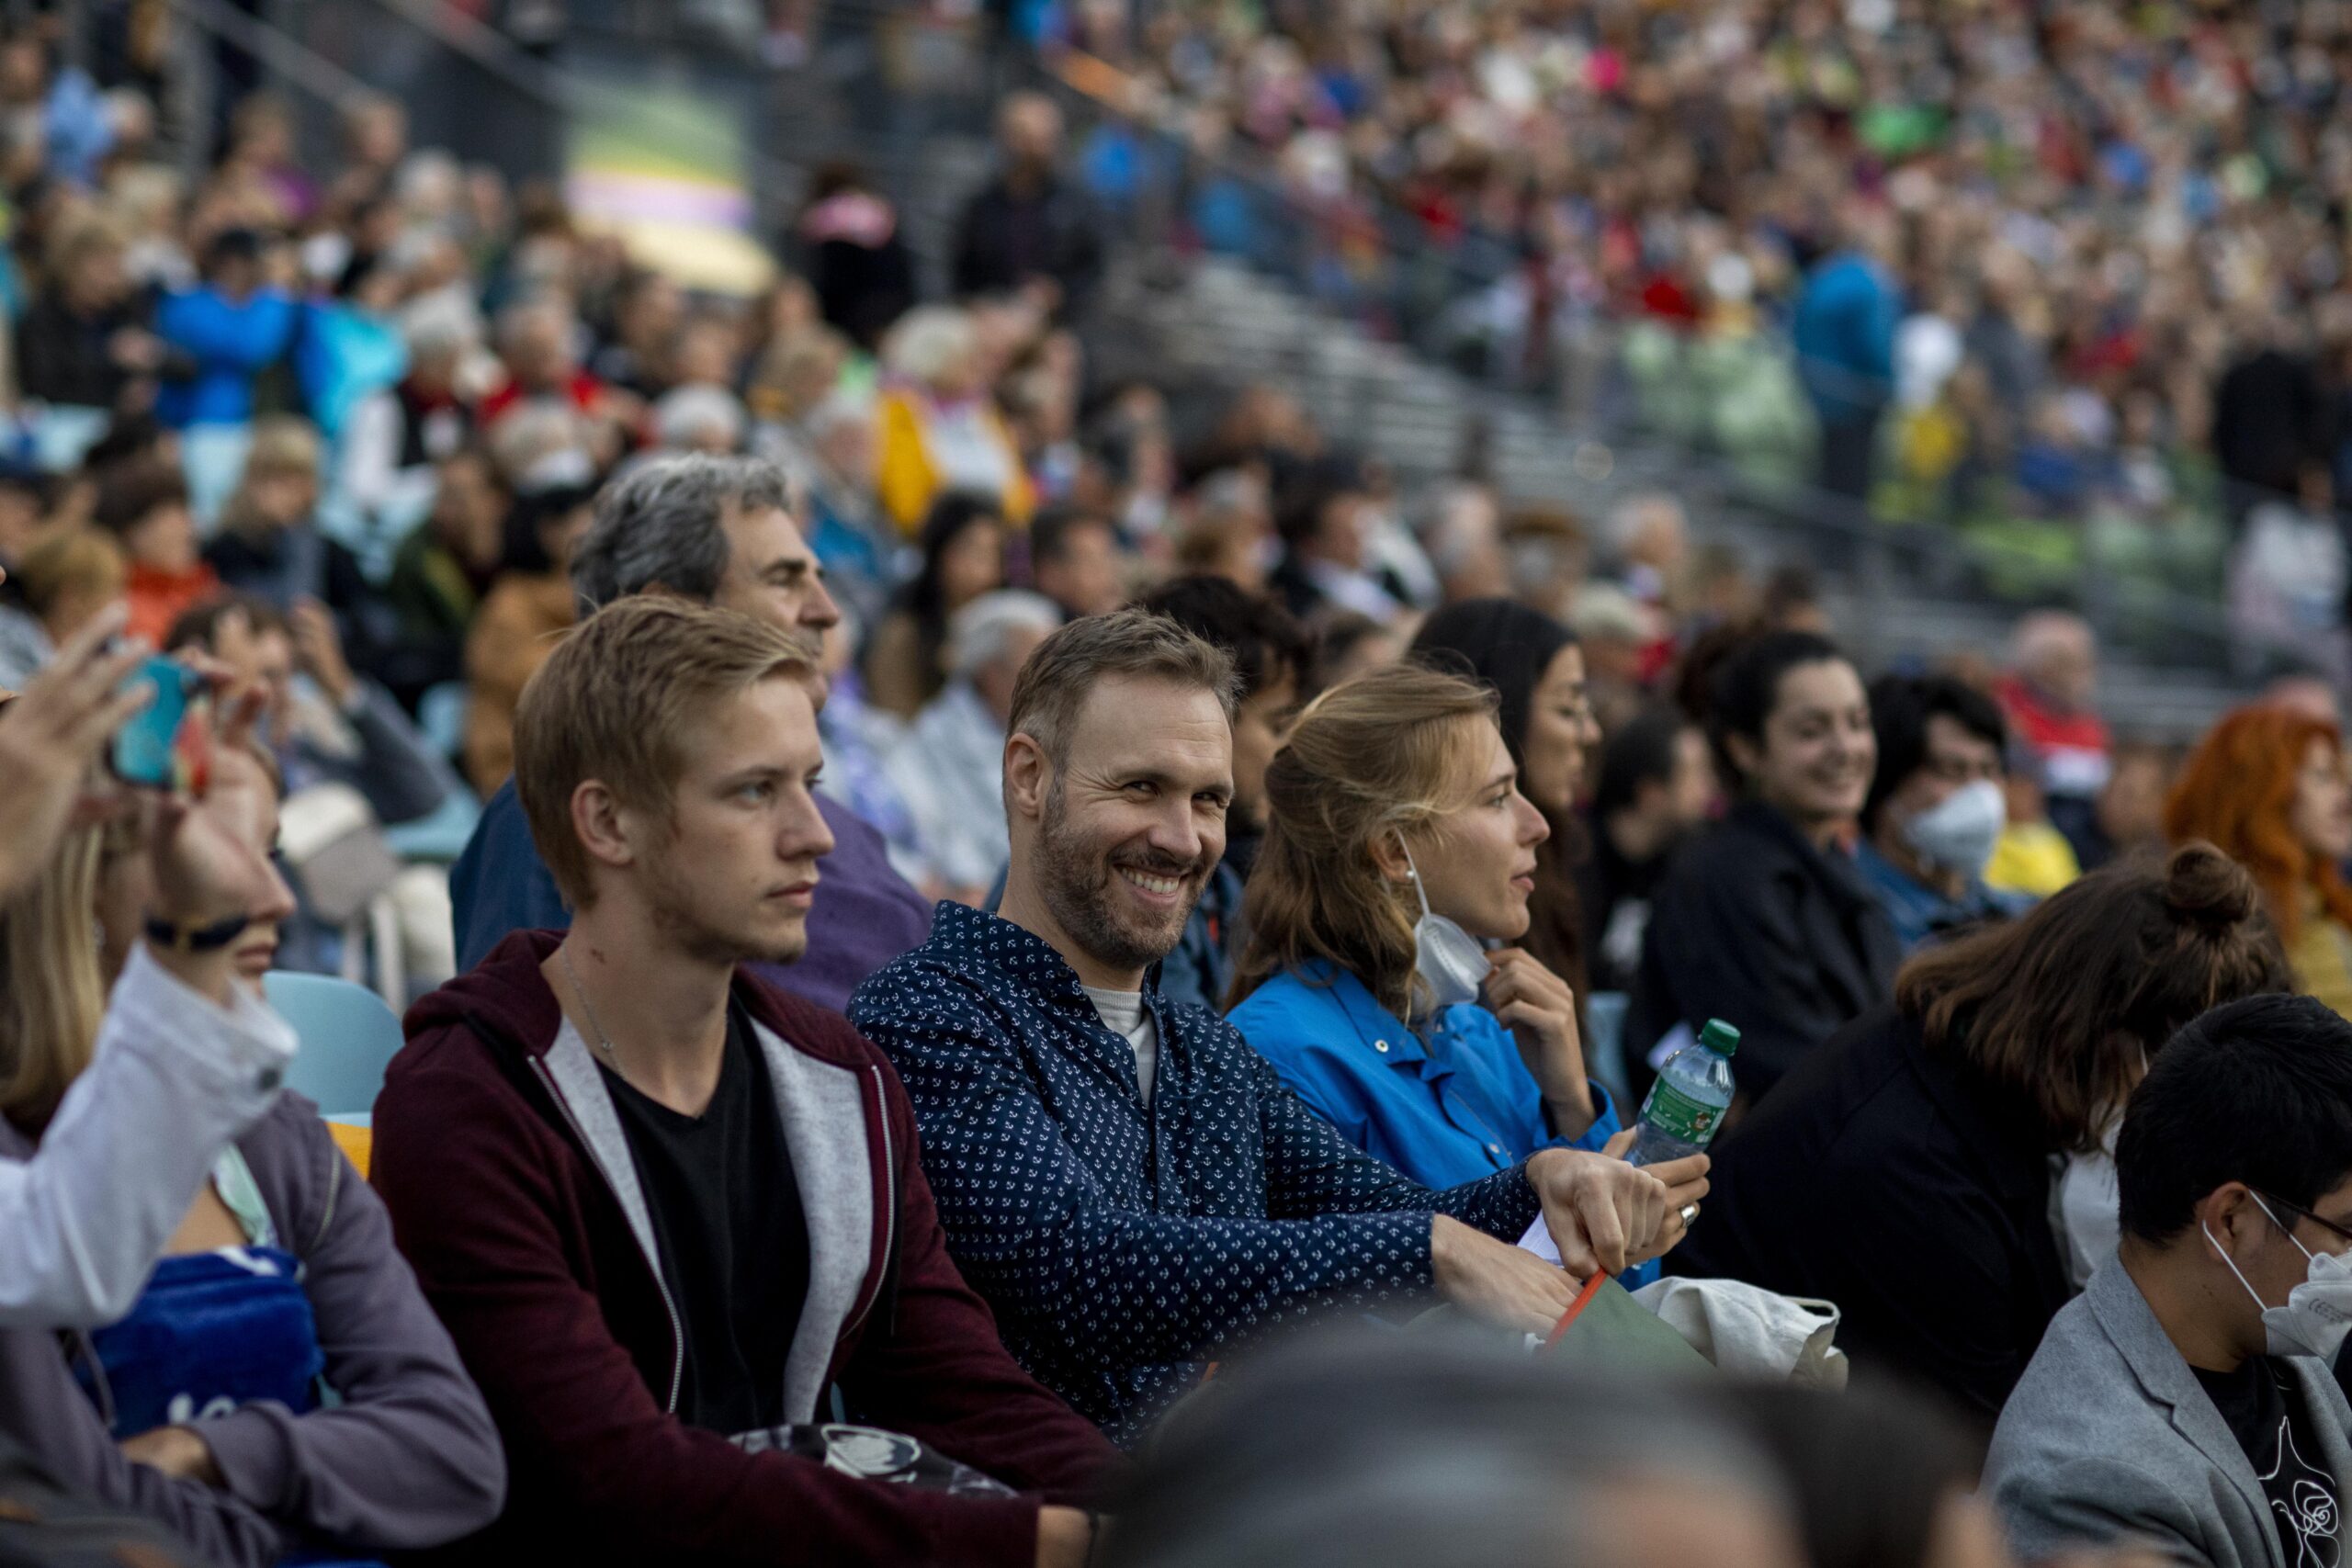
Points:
[(1129, 1185)]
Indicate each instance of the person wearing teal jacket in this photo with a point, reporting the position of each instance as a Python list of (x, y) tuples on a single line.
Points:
[(1399, 842)]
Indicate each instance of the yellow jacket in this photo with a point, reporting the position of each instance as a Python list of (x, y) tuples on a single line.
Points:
[(2321, 956), (907, 479)]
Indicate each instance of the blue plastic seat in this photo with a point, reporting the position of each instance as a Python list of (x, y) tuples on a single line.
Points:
[(349, 1035), (1604, 1046), (441, 716), (441, 834)]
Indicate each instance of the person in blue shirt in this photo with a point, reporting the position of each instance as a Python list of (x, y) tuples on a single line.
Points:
[(1134, 1190), (221, 335), (1396, 810), (1935, 809), (1843, 330)]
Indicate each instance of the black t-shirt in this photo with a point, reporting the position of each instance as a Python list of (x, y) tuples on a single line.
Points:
[(733, 1239), (2265, 1410)]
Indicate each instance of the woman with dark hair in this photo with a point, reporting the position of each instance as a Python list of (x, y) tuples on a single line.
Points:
[(1653, 787), (963, 558), (1763, 921), (1880, 1477), (1904, 1171), (1536, 671)]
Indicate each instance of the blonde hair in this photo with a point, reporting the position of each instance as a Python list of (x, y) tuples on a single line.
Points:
[(614, 702), (53, 991), (1379, 754), (82, 560), (283, 444)]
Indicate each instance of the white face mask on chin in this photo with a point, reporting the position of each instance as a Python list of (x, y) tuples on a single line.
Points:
[(2318, 1313), (1445, 955)]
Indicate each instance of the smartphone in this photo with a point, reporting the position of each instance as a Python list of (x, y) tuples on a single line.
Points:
[(155, 749)]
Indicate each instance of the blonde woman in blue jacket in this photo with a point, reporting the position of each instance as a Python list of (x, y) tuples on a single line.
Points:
[(1398, 844)]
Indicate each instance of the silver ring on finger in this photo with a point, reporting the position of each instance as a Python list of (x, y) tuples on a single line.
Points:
[(1689, 1212)]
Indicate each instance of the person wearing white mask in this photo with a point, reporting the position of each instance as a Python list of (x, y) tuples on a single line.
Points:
[(2186, 1402), (1399, 847), (1936, 808)]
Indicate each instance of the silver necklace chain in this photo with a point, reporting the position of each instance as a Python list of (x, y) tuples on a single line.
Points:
[(603, 1041)]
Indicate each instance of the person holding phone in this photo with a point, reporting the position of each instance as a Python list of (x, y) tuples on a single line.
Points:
[(280, 1383), (185, 1060), (1397, 841)]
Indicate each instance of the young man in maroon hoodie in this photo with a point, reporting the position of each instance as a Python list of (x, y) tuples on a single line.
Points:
[(666, 1210)]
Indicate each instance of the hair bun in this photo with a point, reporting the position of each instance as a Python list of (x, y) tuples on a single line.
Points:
[(2207, 888)]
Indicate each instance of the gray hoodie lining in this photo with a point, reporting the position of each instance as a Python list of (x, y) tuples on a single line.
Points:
[(823, 1109)]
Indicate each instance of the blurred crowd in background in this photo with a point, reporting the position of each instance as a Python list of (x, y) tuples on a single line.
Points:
[(345, 422), (2071, 277)]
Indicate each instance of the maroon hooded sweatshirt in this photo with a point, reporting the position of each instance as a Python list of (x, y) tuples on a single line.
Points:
[(512, 1194)]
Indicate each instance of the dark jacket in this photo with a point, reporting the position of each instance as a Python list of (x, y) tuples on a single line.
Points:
[(1126, 1245), (408, 1459), (1757, 927), (1895, 1184), (1612, 906), (865, 913), (2270, 419), (433, 595), (1006, 238), (1200, 970), (302, 562), (512, 1189), (63, 358)]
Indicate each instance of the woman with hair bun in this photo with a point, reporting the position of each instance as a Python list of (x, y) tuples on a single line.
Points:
[(1905, 1169)]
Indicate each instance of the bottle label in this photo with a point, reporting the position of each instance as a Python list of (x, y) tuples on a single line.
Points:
[(1678, 1115)]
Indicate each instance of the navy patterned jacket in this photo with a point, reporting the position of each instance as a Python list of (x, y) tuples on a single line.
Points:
[(1120, 1247)]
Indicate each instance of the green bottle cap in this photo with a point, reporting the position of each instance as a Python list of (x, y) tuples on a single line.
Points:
[(1719, 1037)]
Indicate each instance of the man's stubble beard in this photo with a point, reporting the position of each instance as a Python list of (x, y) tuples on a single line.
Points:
[(1075, 883), (674, 916)]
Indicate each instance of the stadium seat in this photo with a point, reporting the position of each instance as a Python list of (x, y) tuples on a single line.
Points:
[(441, 834), (441, 714), (1604, 1046), (347, 1033)]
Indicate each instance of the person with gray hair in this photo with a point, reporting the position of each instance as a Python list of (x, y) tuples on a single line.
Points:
[(718, 531), (949, 766), (537, 340), (1650, 538)]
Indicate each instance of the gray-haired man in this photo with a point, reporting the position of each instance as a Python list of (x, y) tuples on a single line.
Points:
[(949, 766), (717, 530)]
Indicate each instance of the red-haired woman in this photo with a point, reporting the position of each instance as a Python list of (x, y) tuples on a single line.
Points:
[(2269, 786)]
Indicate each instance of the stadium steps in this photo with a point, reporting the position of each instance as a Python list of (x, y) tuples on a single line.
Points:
[(1217, 321)]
